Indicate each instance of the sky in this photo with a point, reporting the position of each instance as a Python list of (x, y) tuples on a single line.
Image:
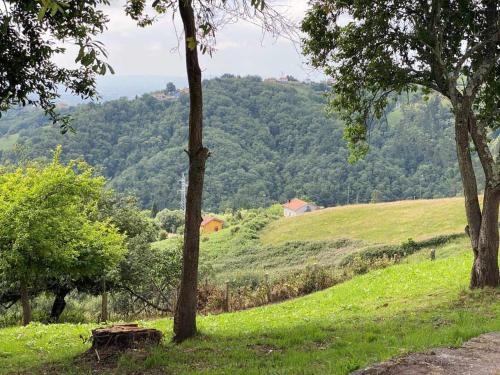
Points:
[(241, 48)]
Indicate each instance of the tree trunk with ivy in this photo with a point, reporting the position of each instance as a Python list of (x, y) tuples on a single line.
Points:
[(185, 313)]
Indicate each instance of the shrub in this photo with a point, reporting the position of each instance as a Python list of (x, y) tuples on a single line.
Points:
[(163, 235), (170, 220), (409, 246)]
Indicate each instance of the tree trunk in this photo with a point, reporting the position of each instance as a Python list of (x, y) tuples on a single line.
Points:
[(483, 226), (469, 182), (185, 312), (25, 303), (59, 304), (485, 272), (104, 302)]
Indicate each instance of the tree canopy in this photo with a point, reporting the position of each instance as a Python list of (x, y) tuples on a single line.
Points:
[(32, 34), (375, 50), (272, 141), (49, 230)]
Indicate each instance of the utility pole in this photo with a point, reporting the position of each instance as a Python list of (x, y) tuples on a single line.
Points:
[(183, 191)]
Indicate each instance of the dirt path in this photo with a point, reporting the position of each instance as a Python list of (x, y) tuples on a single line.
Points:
[(479, 356)]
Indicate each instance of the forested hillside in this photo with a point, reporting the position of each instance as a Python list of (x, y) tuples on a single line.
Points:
[(269, 141)]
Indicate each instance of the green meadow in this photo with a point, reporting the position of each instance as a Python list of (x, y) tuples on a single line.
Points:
[(385, 313), (412, 306), (386, 223), (266, 242)]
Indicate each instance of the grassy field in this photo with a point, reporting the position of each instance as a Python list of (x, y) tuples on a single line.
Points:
[(280, 245), (411, 306), (385, 313), (386, 223)]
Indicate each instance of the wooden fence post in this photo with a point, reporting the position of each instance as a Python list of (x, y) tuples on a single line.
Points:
[(268, 288), (433, 254), (104, 302), (226, 297)]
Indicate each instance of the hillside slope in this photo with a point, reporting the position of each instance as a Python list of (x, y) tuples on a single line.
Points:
[(262, 241), (270, 142), (387, 223), (385, 313)]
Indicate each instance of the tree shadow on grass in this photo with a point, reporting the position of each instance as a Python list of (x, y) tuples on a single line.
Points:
[(335, 345)]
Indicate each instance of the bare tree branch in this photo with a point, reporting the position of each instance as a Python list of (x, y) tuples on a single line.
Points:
[(145, 300)]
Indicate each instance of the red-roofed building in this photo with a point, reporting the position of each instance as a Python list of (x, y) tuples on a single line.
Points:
[(297, 206), (211, 224)]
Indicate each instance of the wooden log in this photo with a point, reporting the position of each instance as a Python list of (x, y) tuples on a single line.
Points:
[(124, 336)]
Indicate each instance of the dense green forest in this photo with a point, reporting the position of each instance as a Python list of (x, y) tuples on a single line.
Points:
[(269, 141)]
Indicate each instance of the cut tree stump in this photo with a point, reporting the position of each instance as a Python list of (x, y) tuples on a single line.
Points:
[(124, 336)]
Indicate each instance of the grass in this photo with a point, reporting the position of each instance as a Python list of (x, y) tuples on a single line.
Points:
[(387, 223), (459, 246), (407, 307), (325, 237), (385, 313)]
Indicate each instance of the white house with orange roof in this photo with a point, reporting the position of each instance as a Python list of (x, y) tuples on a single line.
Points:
[(297, 206)]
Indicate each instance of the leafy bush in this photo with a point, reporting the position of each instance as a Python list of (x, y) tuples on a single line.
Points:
[(170, 220), (163, 235), (409, 246), (406, 248)]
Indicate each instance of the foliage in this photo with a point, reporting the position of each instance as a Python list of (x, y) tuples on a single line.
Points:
[(32, 35), (448, 47), (50, 230), (409, 245), (265, 242), (406, 248), (269, 142), (146, 277), (170, 220), (387, 48)]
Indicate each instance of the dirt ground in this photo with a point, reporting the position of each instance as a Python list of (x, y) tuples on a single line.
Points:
[(479, 356)]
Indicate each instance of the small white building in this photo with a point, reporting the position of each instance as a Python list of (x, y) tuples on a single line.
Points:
[(297, 206)]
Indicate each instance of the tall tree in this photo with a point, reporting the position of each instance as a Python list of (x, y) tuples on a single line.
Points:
[(32, 34), (47, 228), (373, 50), (200, 19)]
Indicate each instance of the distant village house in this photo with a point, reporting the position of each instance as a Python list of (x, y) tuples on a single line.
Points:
[(211, 225), (297, 206)]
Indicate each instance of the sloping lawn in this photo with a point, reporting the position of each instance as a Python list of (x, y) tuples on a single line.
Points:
[(387, 223), (385, 313)]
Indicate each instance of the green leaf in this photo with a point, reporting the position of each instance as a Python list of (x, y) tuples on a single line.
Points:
[(42, 12), (81, 53)]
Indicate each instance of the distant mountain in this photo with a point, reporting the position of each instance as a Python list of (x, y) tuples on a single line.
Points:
[(269, 140), (111, 87)]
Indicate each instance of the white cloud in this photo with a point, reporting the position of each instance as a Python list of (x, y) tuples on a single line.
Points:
[(241, 48)]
